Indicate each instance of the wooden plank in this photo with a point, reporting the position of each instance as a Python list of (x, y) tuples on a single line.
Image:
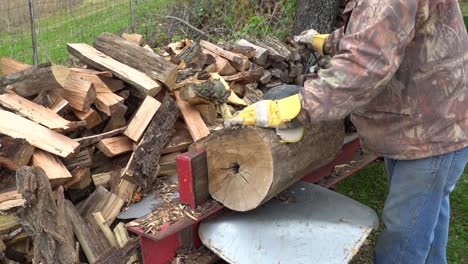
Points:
[(79, 93), (91, 117), (52, 165), (142, 169), (142, 118), (91, 140), (37, 113), (192, 118), (37, 135), (10, 66), (97, 59), (44, 219), (14, 153), (239, 61), (115, 146), (138, 58)]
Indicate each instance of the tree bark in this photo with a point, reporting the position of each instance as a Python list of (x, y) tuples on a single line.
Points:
[(318, 14), (249, 166)]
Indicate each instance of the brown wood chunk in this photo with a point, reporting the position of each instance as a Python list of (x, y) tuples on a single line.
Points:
[(115, 146), (137, 126), (239, 61), (192, 118), (10, 66), (14, 153)]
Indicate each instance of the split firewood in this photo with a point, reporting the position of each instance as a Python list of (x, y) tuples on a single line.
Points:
[(135, 38), (125, 190), (223, 66), (110, 104), (208, 113), (37, 113), (93, 244), (180, 141), (137, 126), (115, 122), (10, 199), (35, 79), (115, 146), (91, 117), (121, 234), (252, 94), (266, 78), (79, 93), (103, 81), (246, 76), (138, 58), (243, 182), (192, 118), (81, 178), (91, 140), (261, 54), (91, 56), (205, 93), (273, 84), (14, 153), (83, 159), (54, 101), (52, 166), (98, 222), (191, 55), (103, 179), (8, 222), (37, 135), (10, 66), (278, 51), (141, 169), (245, 50), (167, 164), (239, 61), (101, 200), (123, 255), (44, 219)]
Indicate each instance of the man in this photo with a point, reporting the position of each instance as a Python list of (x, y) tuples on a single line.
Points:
[(401, 68)]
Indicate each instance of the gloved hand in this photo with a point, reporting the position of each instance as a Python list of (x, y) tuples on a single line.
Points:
[(312, 37), (267, 113)]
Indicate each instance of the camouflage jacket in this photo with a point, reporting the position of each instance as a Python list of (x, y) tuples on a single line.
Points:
[(401, 69)]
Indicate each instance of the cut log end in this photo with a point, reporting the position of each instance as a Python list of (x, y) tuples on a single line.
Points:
[(240, 169)]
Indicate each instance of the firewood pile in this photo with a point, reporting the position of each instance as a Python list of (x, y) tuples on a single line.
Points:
[(79, 144)]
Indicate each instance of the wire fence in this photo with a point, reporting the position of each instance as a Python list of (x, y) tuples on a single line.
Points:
[(36, 31)]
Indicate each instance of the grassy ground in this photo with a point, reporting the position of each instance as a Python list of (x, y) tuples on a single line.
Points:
[(370, 187), (77, 24)]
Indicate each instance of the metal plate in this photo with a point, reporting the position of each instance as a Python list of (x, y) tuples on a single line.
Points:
[(315, 225)]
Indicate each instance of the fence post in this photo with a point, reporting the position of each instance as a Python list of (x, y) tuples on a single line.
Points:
[(33, 31), (132, 14)]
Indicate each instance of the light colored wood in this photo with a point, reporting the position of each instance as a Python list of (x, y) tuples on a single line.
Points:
[(112, 208), (37, 135), (110, 104), (208, 113), (223, 66), (52, 166), (192, 118), (115, 146), (248, 166), (135, 38), (239, 61), (125, 191), (10, 66), (115, 122), (233, 98), (14, 152), (122, 237), (101, 200), (8, 222), (137, 126), (105, 229), (261, 54), (99, 60), (37, 113), (79, 93), (102, 179), (81, 179), (91, 140), (103, 81), (91, 117), (10, 199)]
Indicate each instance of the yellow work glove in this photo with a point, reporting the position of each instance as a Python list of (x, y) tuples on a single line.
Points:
[(312, 37), (268, 113)]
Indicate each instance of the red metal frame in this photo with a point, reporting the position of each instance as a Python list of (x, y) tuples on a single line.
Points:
[(160, 248)]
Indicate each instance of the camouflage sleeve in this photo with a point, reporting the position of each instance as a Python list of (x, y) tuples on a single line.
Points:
[(370, 52), (331, 43)]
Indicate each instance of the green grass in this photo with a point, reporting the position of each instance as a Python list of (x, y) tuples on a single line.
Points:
[(370, 187), (78, 24)]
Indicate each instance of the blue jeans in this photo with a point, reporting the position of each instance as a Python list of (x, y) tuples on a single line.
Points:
[(417, 211)]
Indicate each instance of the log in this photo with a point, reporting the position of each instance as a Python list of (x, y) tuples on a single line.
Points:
[(37, 113), (239, 61), (91, 117), (10, 66), (35, 79), (278, 51), (138, 58), (142, 169), (91, 56), (261, 54), (134, 38), (81, 160), (205, 93), (137, 126), (115, 146), (14, 153), (110, 104), (79, 93), (249, 166), (246, 76), (44, 219), (192, 118), (91, 242), (223, 66), (37, 135)]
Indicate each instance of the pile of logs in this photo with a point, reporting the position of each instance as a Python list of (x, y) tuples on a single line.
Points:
[(79, 144)]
